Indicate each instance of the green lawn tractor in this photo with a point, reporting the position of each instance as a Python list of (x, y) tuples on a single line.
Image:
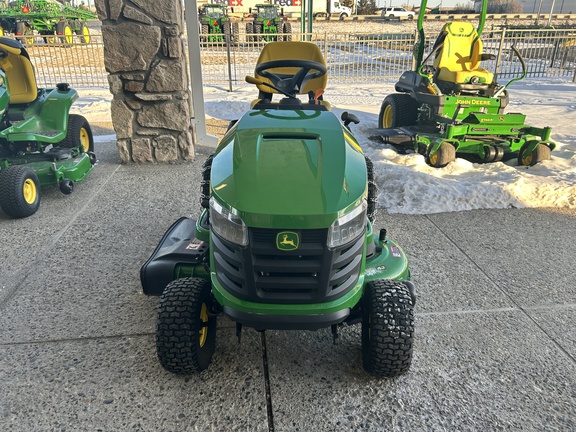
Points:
[(40, 142), (268, 24), (455, 107), (285, 237), (215, 24)]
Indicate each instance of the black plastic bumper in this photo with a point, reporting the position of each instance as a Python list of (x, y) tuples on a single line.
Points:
[(287, 322)]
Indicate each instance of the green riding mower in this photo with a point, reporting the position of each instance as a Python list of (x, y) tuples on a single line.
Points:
[(41, 143), (285, 238), (453, 106)]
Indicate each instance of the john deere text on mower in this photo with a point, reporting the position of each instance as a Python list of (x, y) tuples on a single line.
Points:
[(40, 142), (454, 106), (285, 238)]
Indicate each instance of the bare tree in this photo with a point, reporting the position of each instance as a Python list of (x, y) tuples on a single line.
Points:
[(505, 6)]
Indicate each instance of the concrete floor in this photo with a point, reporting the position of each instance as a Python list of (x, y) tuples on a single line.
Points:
[(495, 345)]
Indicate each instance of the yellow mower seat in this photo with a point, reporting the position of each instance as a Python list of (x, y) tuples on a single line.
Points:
[(459, 58), (288, 51), (19, 72)]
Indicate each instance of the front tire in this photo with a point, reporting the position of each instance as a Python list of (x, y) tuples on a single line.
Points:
[(185, 330), (397, 110), (445, 154), (19, 191), (539, 154), (387, 328)]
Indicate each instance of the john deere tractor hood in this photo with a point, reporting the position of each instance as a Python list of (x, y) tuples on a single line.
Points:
[(284, 167)]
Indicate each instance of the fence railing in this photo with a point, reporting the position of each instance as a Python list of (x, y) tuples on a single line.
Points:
[(357, 57)]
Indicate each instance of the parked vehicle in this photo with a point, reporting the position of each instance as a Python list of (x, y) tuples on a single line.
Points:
[(285, 239), (49, 18), (41, 143), (397, 13), (330, 8), (215, 24), (448, 105), (268, 22)]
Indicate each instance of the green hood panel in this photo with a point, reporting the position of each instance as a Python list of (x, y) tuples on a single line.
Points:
[(295, 169)]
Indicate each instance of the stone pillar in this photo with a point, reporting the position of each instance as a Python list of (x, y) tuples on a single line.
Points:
[(145, 59)]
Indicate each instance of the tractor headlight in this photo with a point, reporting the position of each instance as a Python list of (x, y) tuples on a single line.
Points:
[(348, 227), (227, 224)]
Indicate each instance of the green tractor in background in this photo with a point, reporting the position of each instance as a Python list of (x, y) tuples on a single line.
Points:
[(453, 106), (49, 18), (268, 24), (285, 239), (215, 24), (41, 143)]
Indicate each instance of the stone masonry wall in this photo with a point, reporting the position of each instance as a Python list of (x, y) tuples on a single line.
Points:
[(145, 57)]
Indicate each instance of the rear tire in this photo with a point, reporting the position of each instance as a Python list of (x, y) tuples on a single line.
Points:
[(249, 32), (79, 134), (84, 33), (288, 31), (235, 33), (19, 191), (398, 109), (185, 332), (204, 29), (258, 32), (387, 328)]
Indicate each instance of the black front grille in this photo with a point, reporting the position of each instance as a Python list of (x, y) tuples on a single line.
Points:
[(311, 273)]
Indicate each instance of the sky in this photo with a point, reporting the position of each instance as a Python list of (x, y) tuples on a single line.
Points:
[(406, 184)]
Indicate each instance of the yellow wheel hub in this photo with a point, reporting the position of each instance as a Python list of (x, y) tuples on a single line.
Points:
[(434, 158), (29, 191), (85, 140), (68, 35), (387, 117), (527, 159), (86, 34), (204, 329)]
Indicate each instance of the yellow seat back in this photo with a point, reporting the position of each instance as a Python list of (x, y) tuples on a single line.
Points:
[(459, 58), (290, 51), (19, 75)]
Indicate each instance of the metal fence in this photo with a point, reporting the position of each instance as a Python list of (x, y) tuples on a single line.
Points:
[(358, 57)]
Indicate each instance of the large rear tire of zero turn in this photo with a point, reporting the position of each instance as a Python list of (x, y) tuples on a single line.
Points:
[(398, 109), (19, 191), (79, 134), (287, 31), (387, 328), (541, 153), (185, 331), (445, 154)]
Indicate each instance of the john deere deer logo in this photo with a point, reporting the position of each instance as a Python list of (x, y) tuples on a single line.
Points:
[(287, 241)]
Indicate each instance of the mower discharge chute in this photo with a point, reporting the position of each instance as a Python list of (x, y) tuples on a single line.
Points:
[(40, 142), (454, 106), (285, 238)]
